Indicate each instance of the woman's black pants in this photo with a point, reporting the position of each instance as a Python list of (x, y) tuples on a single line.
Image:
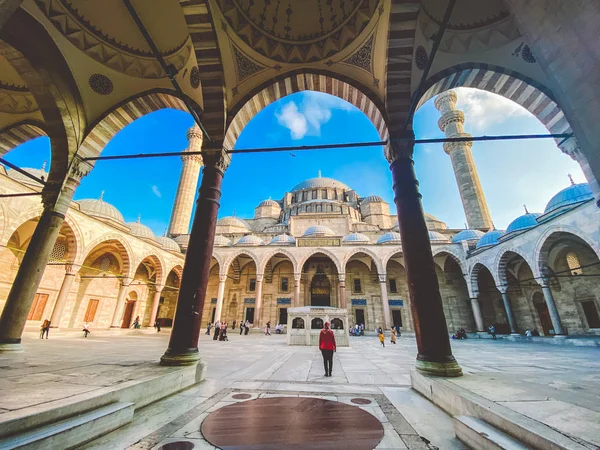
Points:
[(327, 360)]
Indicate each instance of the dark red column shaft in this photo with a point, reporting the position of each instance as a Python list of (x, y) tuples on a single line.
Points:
[(183, 345)]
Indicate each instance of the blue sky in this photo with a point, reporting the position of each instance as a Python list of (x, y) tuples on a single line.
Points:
[(512, 173)]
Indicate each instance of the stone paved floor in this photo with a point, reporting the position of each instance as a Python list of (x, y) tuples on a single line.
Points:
[(519, 375)]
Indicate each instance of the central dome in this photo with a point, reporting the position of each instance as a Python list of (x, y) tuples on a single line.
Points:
[(320, 182)]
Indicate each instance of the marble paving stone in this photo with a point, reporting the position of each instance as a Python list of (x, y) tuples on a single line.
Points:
[(391, 439), (199, 444)]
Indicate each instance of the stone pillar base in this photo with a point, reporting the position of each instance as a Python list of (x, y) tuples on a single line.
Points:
[(13, 347), (186, 357), (439, 369)]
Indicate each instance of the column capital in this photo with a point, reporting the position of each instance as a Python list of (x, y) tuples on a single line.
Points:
[(381, 277), (214, 156), (259, 277), (400, 149), (297, 277), (187, 158), (126, 281), (503, 288), (158, 288), (72, 269), (342, 277), (222, 278)]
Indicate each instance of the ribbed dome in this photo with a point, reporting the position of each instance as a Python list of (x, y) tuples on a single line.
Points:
[(17, 176), (233, 221), (221, 241), (523, 222), (434, 236), (319, 230), (389, 238), (99, 208), (356, 238), (168, 244), (182, 240), (320, 182), (140, 230), (269, 203), (373, 198), (467, 235), (249, 240), (490, 238), (572, 195), (283, 239)]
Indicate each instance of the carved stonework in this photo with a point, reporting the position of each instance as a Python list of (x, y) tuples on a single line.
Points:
[(363, 57), (16, 99), (397, 149), (195, 77), (421, 57), (100, 84), (216, 157), (245, 67)]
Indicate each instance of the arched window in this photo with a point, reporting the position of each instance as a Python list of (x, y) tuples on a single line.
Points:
[(316, 323), (298, 323), (573, 263), (337, 324)]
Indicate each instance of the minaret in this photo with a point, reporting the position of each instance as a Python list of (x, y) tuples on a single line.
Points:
[(471, 193), (186, 191)]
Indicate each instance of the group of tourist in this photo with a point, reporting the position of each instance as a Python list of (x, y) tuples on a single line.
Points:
[(220, 329), (358, 330)]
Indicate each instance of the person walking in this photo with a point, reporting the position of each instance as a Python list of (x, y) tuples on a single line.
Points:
[(381, 337), (157, 325), (136, 323), (207, 329), (246, 327), (393, 336), (233, 325), (492, 329), (217, 330), (45, 329), (327, 347), (268, 329), (86, 329), (241, 327)]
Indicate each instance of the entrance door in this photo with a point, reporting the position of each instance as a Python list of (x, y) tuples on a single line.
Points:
[(212, 316), (320, 290), (359, 316), (397, 317), (129, 308), (283, 316), (249, 315), (544, 315)]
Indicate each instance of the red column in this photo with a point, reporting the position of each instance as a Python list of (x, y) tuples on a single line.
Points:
[(183, 345), (433, 343)]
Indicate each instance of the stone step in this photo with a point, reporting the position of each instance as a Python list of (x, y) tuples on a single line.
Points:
[(73, 431), (479, 435)]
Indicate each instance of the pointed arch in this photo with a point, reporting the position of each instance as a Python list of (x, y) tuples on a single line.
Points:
[(474, 274), (159, 263), (126, 252), (19, 133), (267, 257), (330, 254), (453, 254), (225, 267), (502, 260), (375, 258)]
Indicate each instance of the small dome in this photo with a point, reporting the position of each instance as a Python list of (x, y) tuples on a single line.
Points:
[(319, 230), (100, 209), (221, 241), (572, 195), (523, 222), (233, 221), (320, 182), (249, 240), (283, 239), (356, 238), (140, 230), (467, 235), (18, 176), (389, 238), (269, 203), (372, 199), (490, 238), (182, 240), (434, 236), (168, 244)]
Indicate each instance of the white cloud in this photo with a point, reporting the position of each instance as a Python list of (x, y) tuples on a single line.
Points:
[(156, 191), (293, 120)]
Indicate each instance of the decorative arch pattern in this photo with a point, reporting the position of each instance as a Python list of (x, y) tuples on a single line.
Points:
[(231, 258), (266, 258), (453, 254), (126, 252), (304, 82), (159, 265), (331, 255), (474, 274), (502, 261), (376, 259), (18, 134), (386, 259)]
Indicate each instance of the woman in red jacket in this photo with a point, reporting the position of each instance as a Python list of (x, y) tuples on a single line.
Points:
[(327, 347)]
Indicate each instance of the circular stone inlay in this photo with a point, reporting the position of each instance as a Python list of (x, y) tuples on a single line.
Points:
[(241, 396), (361, 401), (292, 422), (178, 445), (100, 84)]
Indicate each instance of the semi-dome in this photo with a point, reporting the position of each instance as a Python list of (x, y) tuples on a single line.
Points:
[(319, 230), (168, 244), (283, 239), (182, 240), (490, 238), (221, 241), (434, 236), (467, 235), (269, 202), (140, 230), (320, 182), (232, 221), (356, 238), (389, 238), (523, 222), (249, 240), (576, 193), (18, 176), (100, 209), (373, 199)]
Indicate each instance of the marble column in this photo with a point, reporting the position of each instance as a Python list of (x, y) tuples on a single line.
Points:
[(477, 313), (509, 312), (120, 304), (297, 281), (554, 317), (220, 296), (385, 304), (433, 343), (63, 296), (155, 303), (258, 305), (183, 344), (343, 303), (31, 270)]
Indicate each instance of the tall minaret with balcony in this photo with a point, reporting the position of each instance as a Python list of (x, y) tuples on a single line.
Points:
[(471, 193), (186, 191)]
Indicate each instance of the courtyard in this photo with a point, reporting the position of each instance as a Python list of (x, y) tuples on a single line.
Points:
[(555, 385)]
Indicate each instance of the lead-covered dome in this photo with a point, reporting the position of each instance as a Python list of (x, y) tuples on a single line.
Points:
[(490, 238), (373, 199), (389, 238), (101, 209), (24, 179), (320, 182), (434, 236), (182, 240), (571, 195), (283, 239), (269, 202), (232, 221), (523, 222), (221, 241), (467, 235), (140, 230), (168, 244), (249, 240), (356, 238), (319, 230)]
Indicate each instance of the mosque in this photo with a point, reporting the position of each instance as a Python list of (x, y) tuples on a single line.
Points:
[(320, 244)]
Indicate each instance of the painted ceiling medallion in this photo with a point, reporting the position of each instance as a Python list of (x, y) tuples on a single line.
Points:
[(421, 57), (244, 66), (195, 77), (363, 57), (100, 84), (297, 32), (16, 99)]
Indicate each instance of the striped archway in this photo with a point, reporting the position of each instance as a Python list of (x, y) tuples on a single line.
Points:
[(530, 94), (18, 134), (299, 82)]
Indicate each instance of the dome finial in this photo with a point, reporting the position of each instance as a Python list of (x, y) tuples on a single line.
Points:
[(319, 174), (233, 213), (493, 226), (165, 232), (525, 206), (571, 179), (101, 196), (139, 218), (466, 226), (44, 165)]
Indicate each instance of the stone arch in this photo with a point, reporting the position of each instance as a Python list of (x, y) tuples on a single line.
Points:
[(523, 90), (178, 269), (126, 252), (225, 267), (326, 252), (390, 255), (502, 261), (20, 220), (298, 81), (376, 259), (19, 133), (474, 274), (452, 254), (266, 258), (159, 264), (218, 258)]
